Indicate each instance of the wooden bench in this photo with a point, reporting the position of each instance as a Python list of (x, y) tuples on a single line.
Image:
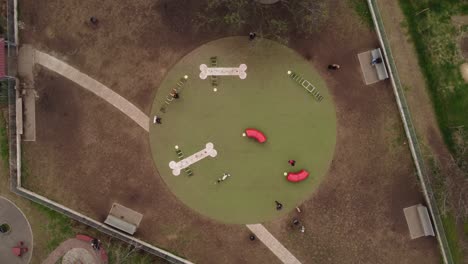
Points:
[(379, 67)]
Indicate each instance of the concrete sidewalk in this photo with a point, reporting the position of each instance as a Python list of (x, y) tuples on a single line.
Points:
[(93, 86), (273, 244)]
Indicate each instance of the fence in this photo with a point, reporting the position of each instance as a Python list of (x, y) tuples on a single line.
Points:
[(15, 152), (411, 134)]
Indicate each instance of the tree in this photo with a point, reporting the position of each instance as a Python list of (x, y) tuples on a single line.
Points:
[(277, 21)]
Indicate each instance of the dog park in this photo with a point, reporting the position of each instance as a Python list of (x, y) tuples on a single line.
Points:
[(219, 112), (215, 145)]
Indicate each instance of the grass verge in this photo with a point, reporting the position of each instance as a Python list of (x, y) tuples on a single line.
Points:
[(449, 223), (450, 227), (58, 226), (362, 10), (435, 40), (4, 150)]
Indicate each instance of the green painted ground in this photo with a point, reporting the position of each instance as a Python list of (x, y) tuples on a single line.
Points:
[(296, 125)]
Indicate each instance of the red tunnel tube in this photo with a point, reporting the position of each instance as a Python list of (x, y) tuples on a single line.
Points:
[(297, 176), (256, 134)]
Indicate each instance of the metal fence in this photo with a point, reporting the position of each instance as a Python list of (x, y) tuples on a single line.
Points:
[(411, 134)]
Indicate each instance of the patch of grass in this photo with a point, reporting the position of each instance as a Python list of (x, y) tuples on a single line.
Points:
[(450, 227), (119, 252), (465, 227), (59, 227), (435, 39), (4, 148), (362, 10), (439, 186)]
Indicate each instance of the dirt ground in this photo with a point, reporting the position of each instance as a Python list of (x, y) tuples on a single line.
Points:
[(88, 155)]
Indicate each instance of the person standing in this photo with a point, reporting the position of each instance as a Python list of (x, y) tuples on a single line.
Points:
[(279, 205), (157, 120), (292, 162), (333, 66), (94, 21)]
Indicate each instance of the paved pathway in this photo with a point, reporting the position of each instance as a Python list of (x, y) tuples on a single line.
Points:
[(20, 231), (273, 244), (93, 86), (78, 256), (69, 245)]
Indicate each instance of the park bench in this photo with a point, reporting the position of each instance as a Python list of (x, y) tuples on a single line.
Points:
[(418, 220), (379, 67), (123, 218)]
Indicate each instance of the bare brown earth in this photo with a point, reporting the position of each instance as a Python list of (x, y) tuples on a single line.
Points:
[(88, 155)]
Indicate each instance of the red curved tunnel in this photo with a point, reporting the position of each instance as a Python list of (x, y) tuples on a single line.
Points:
[(256, 134), (297, 176)]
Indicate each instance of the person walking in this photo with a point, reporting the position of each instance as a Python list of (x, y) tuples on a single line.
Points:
[(292, 162), (252, 36), (333, 66)]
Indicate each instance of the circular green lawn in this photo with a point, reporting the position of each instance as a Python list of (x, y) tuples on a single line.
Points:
[(296, 125)]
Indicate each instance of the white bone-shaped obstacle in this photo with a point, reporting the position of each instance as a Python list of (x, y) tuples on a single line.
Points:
[(220, 71), (180, 165)]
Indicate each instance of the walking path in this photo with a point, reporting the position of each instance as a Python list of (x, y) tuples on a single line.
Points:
[(141, 119), (68, 247), (273, 244), (93, 86), (20, 230)]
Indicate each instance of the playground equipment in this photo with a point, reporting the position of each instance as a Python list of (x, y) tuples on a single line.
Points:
[(19, 249), (180, 155), (206, 71), (171, 96), (297, 176), (256, 134), (214, 78), (185, 163), (306, 85)]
